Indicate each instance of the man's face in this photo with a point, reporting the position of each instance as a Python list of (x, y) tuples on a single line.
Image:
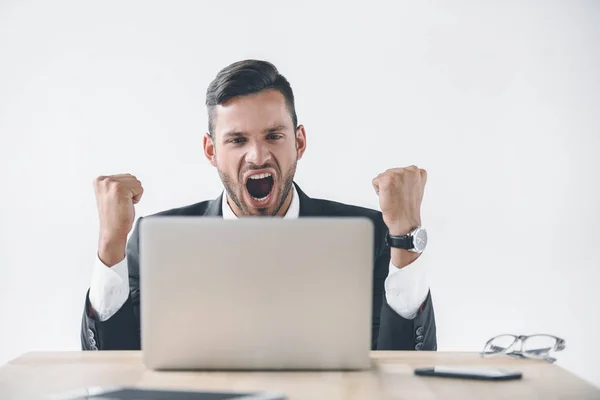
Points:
[(255, 149)]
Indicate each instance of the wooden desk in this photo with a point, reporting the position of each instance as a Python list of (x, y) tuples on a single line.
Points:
[(35, 375)]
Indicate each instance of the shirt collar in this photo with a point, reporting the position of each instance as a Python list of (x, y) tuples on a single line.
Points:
[(292, 212)]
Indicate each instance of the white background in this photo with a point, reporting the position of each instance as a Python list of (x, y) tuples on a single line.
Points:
[(499, 101)]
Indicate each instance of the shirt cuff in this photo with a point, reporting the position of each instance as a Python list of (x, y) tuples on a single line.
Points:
[(407, 288), (109, 288)]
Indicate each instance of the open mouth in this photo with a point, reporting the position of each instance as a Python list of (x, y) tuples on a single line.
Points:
[(260, 186)]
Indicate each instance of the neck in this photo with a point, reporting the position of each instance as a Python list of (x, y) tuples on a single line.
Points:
[(286, 204)]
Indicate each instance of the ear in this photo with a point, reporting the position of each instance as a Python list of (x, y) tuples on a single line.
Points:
[(300, 141), (209, 149)]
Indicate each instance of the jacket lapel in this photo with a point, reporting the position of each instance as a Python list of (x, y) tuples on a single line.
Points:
[(215, 207), (307, 205)]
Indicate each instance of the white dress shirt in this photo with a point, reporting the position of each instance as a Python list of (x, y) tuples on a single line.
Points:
[(405, 289)]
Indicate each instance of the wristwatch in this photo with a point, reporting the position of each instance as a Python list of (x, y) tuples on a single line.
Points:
[(415, 241)]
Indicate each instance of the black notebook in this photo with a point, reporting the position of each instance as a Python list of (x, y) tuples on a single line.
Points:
[(133, 393)]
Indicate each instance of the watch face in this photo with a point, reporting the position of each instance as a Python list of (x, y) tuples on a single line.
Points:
[(420, 239)]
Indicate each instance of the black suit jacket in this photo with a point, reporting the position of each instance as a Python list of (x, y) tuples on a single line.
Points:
[(390, 331)]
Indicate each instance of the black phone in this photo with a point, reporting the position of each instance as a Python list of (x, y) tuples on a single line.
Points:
[(468, 372)]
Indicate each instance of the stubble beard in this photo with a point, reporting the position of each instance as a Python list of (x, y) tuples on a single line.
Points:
[(230, 185)]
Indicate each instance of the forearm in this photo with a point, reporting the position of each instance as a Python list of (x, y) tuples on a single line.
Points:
[(406, 288), (111, 251), (109, 321), (109, 289), (402, 258)]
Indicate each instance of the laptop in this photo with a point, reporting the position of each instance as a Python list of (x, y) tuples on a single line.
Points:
[(256, 293)]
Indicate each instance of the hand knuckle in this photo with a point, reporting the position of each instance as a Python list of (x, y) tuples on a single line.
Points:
[(388, 180), (114, 185)]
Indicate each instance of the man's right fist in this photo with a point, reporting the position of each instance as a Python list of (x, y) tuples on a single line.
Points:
[(115, 198)]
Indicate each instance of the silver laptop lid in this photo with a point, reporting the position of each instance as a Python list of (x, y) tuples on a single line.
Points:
[(256, 293)]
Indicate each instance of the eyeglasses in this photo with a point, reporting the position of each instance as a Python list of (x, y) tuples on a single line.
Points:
[(538, 346)]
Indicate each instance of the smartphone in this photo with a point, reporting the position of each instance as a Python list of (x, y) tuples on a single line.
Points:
[(467, 372)]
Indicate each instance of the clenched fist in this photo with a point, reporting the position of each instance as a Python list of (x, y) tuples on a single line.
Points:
[(115, 198), (400, 192)]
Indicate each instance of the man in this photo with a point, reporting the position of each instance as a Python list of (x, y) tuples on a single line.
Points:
[(254, 141)]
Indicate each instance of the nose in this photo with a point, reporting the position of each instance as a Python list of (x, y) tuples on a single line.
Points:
[(258, 154)]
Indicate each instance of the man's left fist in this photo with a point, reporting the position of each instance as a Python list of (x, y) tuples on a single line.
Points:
[(400, 192)]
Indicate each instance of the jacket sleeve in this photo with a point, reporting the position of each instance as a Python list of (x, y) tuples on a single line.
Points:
[(397, 333), (391, 331), (122, 330)]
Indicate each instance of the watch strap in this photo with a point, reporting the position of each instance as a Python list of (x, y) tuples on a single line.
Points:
[(405, 242)]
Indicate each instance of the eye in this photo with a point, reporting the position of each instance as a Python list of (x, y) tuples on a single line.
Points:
[(274, 136), (237, 140)]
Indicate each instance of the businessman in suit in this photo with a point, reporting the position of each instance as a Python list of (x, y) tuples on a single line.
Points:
[(254, 141)]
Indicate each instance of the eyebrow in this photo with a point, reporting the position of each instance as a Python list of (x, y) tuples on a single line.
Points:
[(234, 134), (275, 128)]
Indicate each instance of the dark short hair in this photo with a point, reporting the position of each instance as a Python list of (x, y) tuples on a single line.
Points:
[(243, 78)]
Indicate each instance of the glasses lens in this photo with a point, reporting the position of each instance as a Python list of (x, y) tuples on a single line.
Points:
[(538, 345), (499, 344)]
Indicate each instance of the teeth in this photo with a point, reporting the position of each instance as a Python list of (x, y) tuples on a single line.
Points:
[(263, 199), (260, 176)]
